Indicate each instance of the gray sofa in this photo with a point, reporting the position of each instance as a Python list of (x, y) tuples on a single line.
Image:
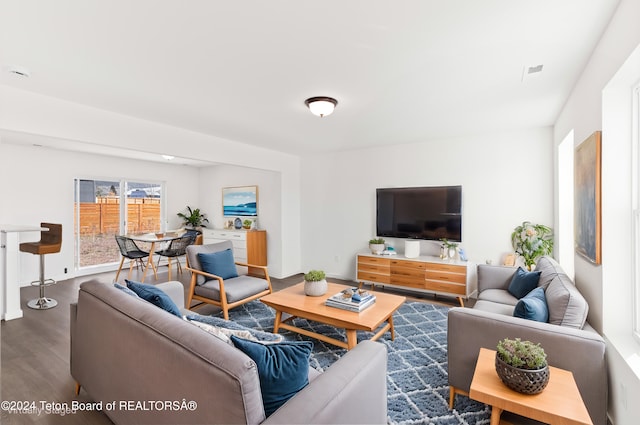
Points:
[(569, 341), (127, 350)]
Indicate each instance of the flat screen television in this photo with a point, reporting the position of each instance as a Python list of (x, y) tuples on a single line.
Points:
[(429, 213)]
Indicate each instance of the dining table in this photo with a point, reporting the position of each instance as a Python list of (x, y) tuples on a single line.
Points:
[(153, 239)]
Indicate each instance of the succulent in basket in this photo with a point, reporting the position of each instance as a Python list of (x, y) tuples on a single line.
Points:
[(522, 365), (522, 354)]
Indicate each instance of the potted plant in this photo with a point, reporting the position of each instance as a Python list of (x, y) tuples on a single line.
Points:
[(194, 218), (247, 224), (522, 365), (450, 248), (315, 283), (376, 245), (531, 241)]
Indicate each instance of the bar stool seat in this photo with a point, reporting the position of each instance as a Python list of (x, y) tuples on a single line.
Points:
[(50, 243)]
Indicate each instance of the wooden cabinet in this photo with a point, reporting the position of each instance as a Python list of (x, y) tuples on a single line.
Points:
[(249, 246), (424, 273)]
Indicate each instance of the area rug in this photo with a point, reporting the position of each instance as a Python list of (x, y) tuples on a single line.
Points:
[(417, 386)]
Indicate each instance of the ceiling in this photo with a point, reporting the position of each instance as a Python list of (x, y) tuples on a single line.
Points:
[(402, 71)]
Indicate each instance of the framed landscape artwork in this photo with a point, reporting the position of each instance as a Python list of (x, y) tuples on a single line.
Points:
[(240, 201), (587, 198)]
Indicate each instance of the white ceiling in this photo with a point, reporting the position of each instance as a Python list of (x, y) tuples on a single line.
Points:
[(402, 71)]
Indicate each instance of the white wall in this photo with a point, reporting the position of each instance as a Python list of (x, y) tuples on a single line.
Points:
[(214, 178), (37, 186), (506, 179), (596, 103), (30, 113)]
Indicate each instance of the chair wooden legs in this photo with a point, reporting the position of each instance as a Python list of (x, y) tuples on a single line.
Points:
[(119, 268)]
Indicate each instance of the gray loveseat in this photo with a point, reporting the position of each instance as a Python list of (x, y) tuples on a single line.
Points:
[(569, 341), (127, 350)]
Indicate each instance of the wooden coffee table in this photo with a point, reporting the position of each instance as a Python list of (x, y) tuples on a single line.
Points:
[(559, 403), (294, 302)]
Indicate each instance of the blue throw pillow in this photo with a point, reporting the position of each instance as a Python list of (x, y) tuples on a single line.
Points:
[(283, 369), (155, 296), (523, 282), (219, 263), (533, 306)]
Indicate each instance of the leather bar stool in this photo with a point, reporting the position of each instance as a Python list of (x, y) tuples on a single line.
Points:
[(50, 243)]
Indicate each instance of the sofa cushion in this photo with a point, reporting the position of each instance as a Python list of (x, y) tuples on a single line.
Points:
[(494, 307), (548, 268), (523, 282), (498, 296), (155, 296), (567, 307), (283, 369), (236, 289), (219, 263), (533, 306)]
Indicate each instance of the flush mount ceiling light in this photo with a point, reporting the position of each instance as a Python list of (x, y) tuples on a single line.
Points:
[(321, 105), (168, 157)]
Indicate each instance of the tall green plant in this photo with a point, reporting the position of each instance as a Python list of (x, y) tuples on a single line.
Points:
[(194, 218), (531, 241)]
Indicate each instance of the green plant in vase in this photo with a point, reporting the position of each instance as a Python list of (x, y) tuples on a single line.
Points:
[(532, 241), (194, 218)]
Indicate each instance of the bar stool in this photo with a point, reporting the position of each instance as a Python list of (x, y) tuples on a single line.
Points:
[(50, 243)]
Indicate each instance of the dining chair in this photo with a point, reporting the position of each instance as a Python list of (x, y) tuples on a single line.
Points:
[(176, 248), (129, 249), (215, 280)]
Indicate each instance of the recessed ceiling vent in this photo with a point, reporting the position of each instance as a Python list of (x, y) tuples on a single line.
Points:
[(529, 71), (20, 71)]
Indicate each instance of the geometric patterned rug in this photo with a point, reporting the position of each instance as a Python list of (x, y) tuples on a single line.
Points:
[(417, 386)]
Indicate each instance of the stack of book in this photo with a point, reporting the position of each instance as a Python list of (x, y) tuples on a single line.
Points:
[(352, 300)]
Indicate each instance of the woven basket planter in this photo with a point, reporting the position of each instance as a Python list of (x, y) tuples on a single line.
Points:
[(524, 381)]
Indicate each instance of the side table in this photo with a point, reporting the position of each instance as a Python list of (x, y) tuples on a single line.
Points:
[(559, 403)]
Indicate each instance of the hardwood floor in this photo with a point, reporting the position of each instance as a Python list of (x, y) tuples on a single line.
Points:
[(35, 351)]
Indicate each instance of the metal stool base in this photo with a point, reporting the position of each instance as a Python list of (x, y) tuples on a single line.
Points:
[(42, 303)]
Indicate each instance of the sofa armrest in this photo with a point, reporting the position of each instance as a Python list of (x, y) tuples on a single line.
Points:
[(175, 291), (494, 277), (353, 390), (580, 351)]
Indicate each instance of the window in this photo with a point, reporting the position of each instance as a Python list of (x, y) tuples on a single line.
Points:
[(99, 208)]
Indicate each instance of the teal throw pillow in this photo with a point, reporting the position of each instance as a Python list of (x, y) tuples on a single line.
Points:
[(155, 296), (283, 369), (523, 282), (533, 306), (219, 263)]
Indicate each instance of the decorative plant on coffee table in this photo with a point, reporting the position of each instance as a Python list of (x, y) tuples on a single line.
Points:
[(315, 283), (194, 218), (522, 365), (531, 241)]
